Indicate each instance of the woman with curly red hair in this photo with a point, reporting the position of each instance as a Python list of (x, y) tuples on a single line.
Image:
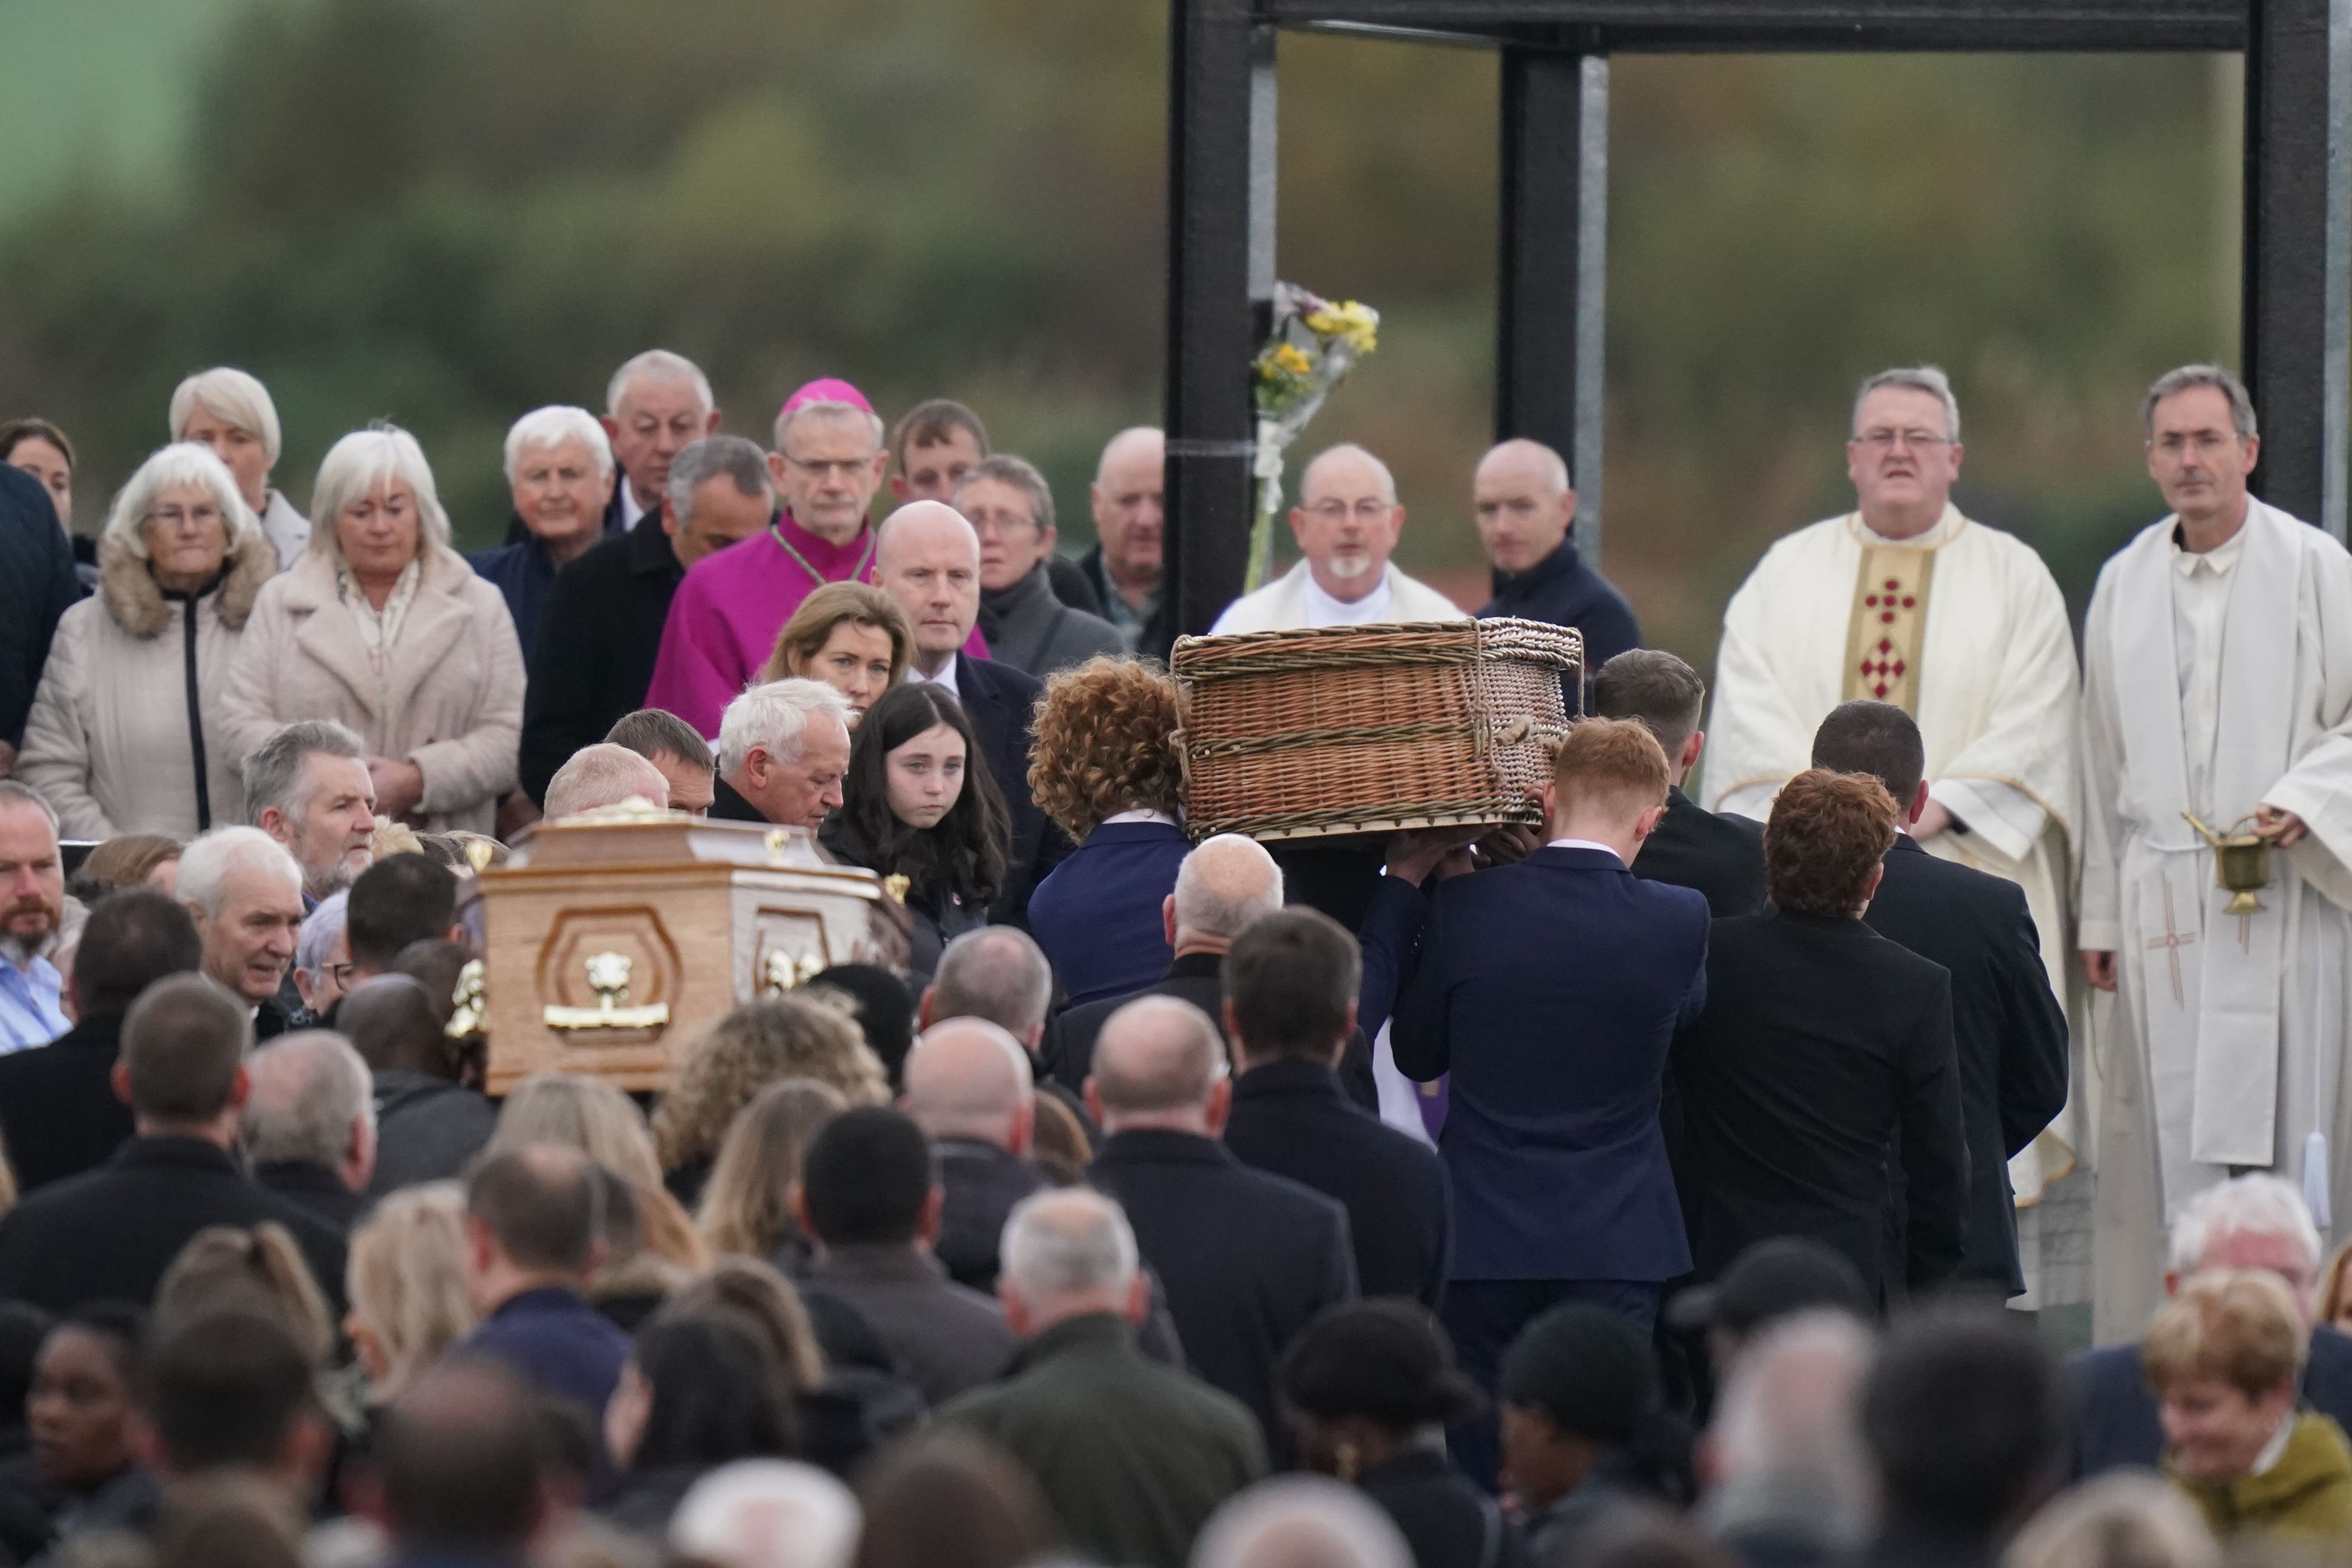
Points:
[(1107, 770)]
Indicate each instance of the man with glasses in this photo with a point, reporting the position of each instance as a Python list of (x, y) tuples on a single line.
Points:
[(828, 464), (1904, 600), (1009, 505), (1347, 522)]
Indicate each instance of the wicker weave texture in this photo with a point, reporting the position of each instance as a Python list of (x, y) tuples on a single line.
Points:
[(1340, 730)]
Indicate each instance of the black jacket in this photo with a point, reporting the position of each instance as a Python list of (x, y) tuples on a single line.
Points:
[(1561, 589), (1719, 855), (1443, 1517), (980, 1183), (426, 1129), (1245, 1258), (36, 585), (1820, 1039), (57, 1108), (598, 634), (1001, 701), (727, 804), (107, 1235), (1159, 633), (1290, 1118), (2009, 1029), (314, 1188)]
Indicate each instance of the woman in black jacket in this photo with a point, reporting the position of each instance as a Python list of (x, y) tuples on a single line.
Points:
[(697, 1393), (918, 802)]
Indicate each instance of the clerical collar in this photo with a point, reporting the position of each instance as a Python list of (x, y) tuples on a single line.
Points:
[(2218, 561), (1323, 610), (946, 677), (1586, 844), (1945, 529)]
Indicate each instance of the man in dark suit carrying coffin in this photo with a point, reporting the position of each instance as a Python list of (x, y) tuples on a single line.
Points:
[(1551, 990), (2009, 1029), (1721, 855)]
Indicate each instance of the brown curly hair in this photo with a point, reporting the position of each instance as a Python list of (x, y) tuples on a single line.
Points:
[(1105, 743), (1828, 833), (759, 1043)]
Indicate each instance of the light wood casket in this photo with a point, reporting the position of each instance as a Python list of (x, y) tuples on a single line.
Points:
[(611, 940)]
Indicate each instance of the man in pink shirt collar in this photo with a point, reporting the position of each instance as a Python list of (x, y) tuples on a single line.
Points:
[(828, 464)]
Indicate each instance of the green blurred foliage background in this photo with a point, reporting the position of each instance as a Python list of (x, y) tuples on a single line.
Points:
[(446, 212)]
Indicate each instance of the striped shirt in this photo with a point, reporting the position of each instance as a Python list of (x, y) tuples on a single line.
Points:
[(30, 1014)]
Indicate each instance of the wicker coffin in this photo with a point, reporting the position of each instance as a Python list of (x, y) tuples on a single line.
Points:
[(1305, 734)]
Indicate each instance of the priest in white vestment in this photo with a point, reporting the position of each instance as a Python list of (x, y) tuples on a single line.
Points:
[(1906, 601), (1347, 522), (2218, 682)]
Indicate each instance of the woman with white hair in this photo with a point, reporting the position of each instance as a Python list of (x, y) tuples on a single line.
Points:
[(129, 732), (559, 471), (230, 411), (384, 628)]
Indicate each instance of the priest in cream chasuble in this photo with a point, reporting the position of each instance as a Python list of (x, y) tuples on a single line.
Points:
[(1960, 625), (2218, 683)]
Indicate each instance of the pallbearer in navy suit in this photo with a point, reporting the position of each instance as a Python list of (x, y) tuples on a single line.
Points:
[(1550, 989)]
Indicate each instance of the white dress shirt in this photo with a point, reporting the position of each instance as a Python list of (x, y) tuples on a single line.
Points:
[(2201, 614)]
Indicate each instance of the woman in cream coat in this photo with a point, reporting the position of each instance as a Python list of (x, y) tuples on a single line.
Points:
[(127, 733), (383, 627)]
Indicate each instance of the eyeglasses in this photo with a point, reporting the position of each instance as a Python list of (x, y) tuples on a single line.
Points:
[(988, 522), (174, 516), (847, 469), (340, 974), (1886, 440), (1366, 511)]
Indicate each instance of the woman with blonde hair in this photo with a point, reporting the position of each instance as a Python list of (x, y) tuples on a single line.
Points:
[(583, 1113), (1106, 768), (223, 1264), (383, 627), (760, 1043), (231, 412), (128, 730), (406, 1281), (746, 1209), (851, 636)]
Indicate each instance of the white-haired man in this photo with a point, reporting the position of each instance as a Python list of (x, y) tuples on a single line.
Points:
[(827, 468), (1246, 1258), (783, 748), (1789, 1479), (766, 1513), (968, 1086), (308, 1127), (1128, 501), (245, 893), (32, 907), (1225, 885), (1904, 600), (1132, 1456), (657, 406), (2217, 684), (308, 786), (601, 629), (231, 412), (560, 475), (1297, 1519), (2249, 1222), (600, 776), (927, 558), (1346, 523)]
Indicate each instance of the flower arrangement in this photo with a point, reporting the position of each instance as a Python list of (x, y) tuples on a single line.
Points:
[(1312, 346)]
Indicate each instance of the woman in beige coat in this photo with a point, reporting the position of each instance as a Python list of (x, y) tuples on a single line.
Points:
[(383, 627), (127, 733)]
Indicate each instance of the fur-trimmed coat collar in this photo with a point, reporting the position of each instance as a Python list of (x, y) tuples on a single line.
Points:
[(137, 604)]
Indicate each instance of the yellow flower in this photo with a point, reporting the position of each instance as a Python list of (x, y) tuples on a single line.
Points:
[(1290, 357)]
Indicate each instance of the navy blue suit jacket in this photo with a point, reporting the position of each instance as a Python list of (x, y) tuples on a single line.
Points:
[(1552, 990), (2115, 1415), (1098, 915), (1001, 702)]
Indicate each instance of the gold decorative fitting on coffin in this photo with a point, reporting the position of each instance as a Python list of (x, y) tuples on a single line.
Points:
[(2242, 863), (780, 974), (608, 977), (472, 997), (895, 886)]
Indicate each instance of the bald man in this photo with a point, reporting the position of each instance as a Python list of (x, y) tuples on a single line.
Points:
[(1130, 523), (1526, 521), (1346, 523), (968, 1086), (1246, 1258), (1225, 884), (927, 558)]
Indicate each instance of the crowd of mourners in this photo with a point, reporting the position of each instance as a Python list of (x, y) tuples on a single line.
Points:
[(1627, 1194)]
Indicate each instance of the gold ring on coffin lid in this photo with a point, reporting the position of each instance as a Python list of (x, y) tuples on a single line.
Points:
[(699, 907), (2242, 863)]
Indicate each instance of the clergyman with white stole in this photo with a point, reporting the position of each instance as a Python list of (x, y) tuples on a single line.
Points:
[(2218, 683), (1904, 600)]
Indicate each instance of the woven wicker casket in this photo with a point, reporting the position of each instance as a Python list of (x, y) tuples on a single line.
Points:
[(1309, 734)]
